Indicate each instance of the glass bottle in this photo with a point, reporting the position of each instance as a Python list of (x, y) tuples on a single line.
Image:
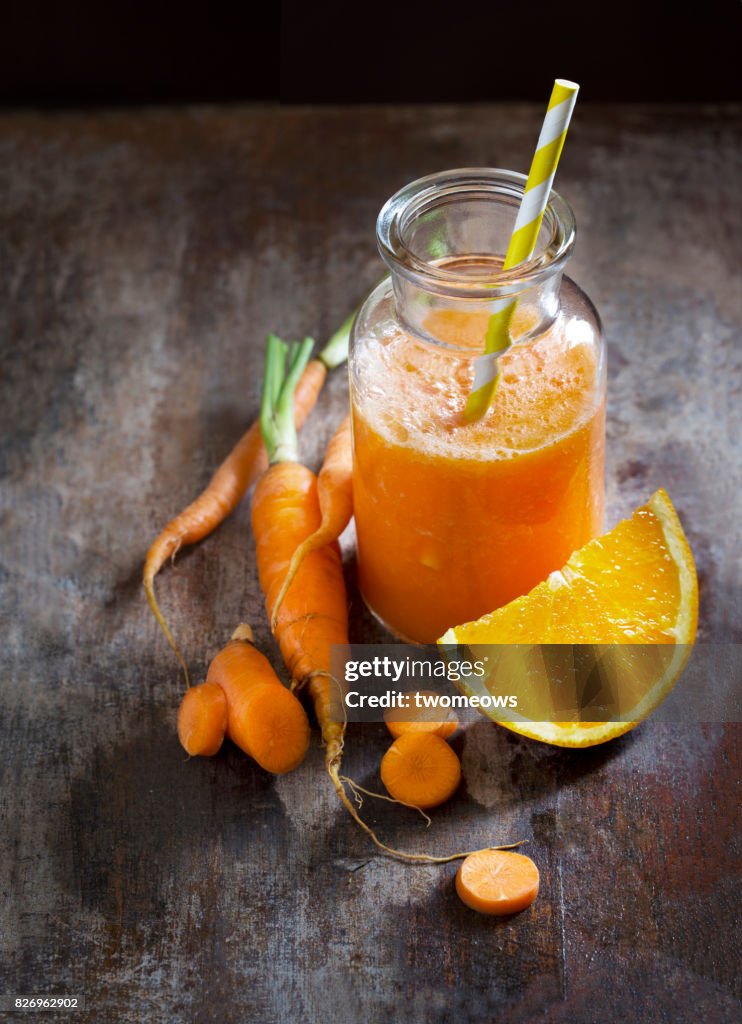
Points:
[(454, 519)]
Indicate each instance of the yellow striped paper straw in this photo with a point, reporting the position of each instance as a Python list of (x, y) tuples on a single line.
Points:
[(523, 240)]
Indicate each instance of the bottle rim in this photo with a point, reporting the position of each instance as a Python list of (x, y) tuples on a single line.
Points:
[(434, 190)]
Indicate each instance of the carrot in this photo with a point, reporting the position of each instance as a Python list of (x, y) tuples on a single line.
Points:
[(237, 473), (202, 720), (441, 722), (335, 495), (264, 718), (313, 614), (496, 882), (285, 512), (421, 770)]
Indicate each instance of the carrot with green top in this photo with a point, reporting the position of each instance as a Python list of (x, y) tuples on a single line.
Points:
[(233, 478), (285, 511), (313, 614)]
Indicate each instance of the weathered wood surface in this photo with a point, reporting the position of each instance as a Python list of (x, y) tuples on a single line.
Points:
[(144, 258)]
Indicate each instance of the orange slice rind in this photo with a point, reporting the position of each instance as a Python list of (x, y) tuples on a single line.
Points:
[(634, 588)]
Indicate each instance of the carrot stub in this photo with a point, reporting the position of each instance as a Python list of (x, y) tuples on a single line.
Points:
[(439, 721), (497, 882), (421, 770), (202, 720)]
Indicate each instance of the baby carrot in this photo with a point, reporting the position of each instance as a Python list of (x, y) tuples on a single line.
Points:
[(264, 719), (335, 495), (421, 770), (497, 882), (237, 473), (202, 719)]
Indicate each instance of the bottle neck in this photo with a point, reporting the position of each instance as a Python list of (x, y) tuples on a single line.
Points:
[(461, 322), (444, 240)]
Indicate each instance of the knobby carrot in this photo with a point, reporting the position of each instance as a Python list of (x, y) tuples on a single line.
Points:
[(496, 882), (313, 614), (264, 718), (202, 720), (237, 473), (420, 770), (335, 495)]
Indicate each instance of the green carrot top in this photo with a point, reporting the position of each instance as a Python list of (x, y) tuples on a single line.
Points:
[(284, 365)]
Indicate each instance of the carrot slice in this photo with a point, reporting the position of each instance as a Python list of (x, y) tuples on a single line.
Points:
[(421, 770), (497, 882), (269, 723), (440, 721)]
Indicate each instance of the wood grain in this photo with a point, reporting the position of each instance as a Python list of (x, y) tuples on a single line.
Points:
[(145, 256)]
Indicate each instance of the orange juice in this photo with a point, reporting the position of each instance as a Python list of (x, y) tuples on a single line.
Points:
[(455, 519)]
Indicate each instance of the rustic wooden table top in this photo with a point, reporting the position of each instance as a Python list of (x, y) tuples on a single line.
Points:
[(145, 256)]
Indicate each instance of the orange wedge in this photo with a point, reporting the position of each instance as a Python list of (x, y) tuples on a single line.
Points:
[(635, 585)]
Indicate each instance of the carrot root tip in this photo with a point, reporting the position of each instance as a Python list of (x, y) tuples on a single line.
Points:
[(152, 601), (357, 790)]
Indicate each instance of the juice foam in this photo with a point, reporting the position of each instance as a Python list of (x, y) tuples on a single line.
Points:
[(413, 395)]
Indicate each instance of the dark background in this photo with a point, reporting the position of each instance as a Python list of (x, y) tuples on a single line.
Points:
[(83, 53)]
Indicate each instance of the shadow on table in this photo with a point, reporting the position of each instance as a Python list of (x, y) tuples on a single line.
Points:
[(136, 819), (511, 781)]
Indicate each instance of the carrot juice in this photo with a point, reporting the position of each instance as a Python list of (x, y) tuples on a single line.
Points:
[(454, 519)]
